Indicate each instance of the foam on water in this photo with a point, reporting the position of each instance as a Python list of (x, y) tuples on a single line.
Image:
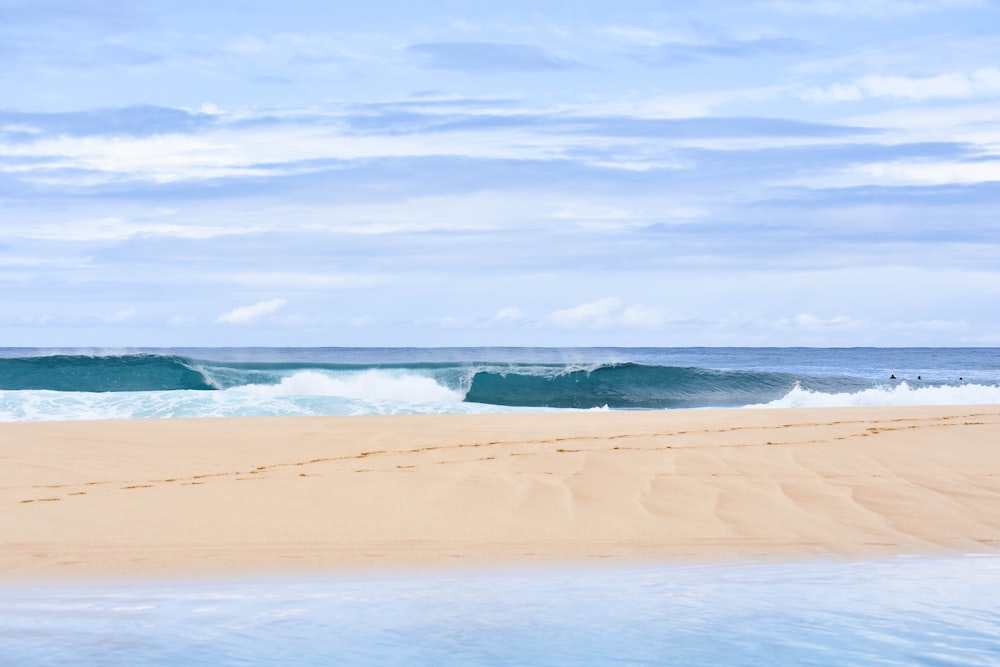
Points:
[(901, 394), (368, 385), (240, 402), (302, 393)]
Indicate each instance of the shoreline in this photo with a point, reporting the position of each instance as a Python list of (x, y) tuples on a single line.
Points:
[(300, 495)]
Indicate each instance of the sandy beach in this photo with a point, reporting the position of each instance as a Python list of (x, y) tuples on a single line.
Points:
[(206, 497)]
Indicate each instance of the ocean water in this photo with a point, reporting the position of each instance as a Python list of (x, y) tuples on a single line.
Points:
[(49, 384), (900, 611)]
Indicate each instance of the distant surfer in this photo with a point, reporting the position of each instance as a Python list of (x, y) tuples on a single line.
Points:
[(892, 377)]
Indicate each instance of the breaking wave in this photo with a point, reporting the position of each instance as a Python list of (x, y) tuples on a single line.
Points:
[(146, 385)]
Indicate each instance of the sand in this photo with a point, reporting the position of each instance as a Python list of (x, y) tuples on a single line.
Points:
[(211, 497)]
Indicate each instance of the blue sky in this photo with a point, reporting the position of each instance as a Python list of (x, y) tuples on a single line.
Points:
[(772, 172)]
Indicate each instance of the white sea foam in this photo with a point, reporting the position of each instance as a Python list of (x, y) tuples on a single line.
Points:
[(901, 394), (368, 385), (303, 393), (385, 391)]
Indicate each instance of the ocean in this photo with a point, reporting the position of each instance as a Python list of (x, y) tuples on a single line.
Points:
[(59, 384), (897, 611)]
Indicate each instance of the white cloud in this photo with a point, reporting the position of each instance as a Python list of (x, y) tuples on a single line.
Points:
[(117, 229), (810, 321), (933, 326), (855, 8), (274, 150), (19, 128), (931, 173), (121, 316), (952, 85), (245, 314), (684, 105), (608, 312), (297, 280), (595, 313), (39, 262), (941, 172), (508, 316), (974, 124)]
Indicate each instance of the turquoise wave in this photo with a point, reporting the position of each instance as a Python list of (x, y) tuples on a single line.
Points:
[(629, 385), (132, 372), (615, 385), (43, 384)]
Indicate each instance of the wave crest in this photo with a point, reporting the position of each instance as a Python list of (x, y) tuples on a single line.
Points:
[(369, 385)]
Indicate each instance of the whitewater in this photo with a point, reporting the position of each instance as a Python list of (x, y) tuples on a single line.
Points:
[(62, 384)]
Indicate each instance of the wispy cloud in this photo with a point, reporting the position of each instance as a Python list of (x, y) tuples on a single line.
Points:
[(953, 85), (682, 53), (509, 315), (607, 312), (124, 315), (866, 8), (132, 121), (490, 56), (247, 314), (116, 229), (108, 14), (926, 173), (408, 179), (630, 137)]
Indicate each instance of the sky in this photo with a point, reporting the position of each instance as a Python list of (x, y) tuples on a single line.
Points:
[(636, 173)]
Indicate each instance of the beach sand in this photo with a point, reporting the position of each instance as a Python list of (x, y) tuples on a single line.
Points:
[(211, 497)]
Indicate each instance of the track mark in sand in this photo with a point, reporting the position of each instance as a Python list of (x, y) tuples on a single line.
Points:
[(63, 486), (873, 427), (137, 486), (41, 500)]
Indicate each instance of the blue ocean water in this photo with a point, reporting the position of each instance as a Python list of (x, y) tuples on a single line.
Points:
[(900, 611), (49, 384)]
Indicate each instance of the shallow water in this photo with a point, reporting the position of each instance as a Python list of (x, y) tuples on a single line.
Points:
[(900, 611)]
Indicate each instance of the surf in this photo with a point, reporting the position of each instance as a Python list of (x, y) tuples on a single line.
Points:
[(206, 382), (901, 394)]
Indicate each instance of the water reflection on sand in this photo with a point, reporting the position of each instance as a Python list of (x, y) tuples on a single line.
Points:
[(899, 611)]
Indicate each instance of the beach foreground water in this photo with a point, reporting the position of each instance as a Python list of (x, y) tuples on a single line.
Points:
[(894, 611)]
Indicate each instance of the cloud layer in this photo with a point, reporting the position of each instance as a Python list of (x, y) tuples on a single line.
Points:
[(765, 173)]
